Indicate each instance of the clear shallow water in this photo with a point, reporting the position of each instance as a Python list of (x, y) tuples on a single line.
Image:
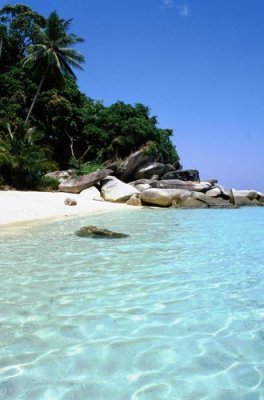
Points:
[(175, 311)]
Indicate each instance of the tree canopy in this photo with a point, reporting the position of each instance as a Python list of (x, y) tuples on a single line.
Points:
[(73, 129)]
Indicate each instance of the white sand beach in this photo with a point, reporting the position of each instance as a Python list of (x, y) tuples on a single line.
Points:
[(19, 208)]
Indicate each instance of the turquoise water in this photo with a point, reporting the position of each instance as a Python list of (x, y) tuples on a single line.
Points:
[(175, 311)]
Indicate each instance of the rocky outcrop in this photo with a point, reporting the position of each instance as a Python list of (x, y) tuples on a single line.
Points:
[(131, 164), (148, 170), (183, 175), (93, 231), (155, 183), (83, 182), (112, 189)]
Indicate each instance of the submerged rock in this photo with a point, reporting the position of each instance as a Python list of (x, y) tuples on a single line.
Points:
[(94, 231)]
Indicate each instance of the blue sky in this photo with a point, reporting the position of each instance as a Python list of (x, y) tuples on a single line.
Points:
[(198, 64)]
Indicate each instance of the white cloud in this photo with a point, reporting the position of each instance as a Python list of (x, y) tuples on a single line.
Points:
[(168, 3), (184, 10)]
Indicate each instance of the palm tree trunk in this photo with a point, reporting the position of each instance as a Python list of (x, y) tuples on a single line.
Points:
[(1, 45), (36, 95)]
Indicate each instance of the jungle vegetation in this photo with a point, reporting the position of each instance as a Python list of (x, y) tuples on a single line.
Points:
[(46, 122)]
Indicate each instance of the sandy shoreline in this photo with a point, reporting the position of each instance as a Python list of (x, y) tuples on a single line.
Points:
[(20, 209)]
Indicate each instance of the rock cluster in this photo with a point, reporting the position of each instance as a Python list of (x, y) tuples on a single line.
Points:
[(141, 180)]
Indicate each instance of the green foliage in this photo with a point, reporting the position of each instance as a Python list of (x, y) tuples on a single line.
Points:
[(18, 25), (88, 168), (120, 129), (23, 158), (47, 184), (76, 130)]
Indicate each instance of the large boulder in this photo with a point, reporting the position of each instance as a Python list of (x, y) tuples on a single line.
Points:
[(146, 171), (112, 189), (83, 182), (128, 167), (179, 184), (164, 197), (184, 175)]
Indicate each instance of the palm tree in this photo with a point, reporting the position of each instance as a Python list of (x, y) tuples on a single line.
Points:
[(53, 51)]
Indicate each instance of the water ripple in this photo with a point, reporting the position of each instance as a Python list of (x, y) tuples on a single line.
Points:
[(174, 312)]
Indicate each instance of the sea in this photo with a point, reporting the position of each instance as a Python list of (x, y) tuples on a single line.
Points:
[(174, 311)]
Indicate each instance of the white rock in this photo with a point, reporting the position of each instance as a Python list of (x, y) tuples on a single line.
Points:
[(91, 193), (142, 186), (250, 194), (164, 197), (214, 192), (113, 189)]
